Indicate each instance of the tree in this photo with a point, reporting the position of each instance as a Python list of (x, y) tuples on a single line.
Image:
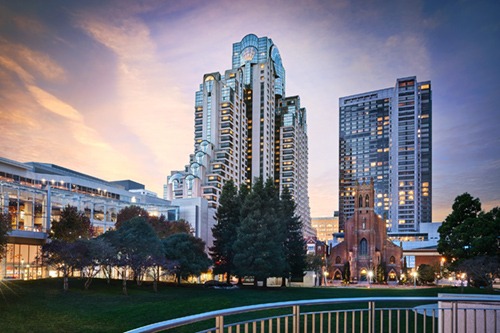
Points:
[(129, 213), (186, 255), (72, 225), (294, 244), (5, 227), (160, 224), (224, 232), (346, 274), (456, 231), (481, 270), (315, 263), (97, 256), (165, 228), (486, 234), (138, 248), (381, 273), (259, 244), (426, 273), (64, 256)]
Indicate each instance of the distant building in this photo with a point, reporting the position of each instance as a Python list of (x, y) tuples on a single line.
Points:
[(387, 135), (365, 246), (35, 193), (246, 127), (325, 226)]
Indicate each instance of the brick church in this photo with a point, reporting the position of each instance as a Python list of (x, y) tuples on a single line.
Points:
[(365, 247)]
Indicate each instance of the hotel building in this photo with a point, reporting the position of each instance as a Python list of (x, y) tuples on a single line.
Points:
[(245, 127), (386, 135)]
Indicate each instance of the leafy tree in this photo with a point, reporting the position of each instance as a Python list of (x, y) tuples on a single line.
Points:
[(346, 274), (138, 248), (224, 232), (64, 256), (97, 255), (129, 213), (381, 272), (72, 225), (160, 224), (187, 253), (165, 228), (481, 270), (315, 263), (294, 243), (456, 231), (486, 234), (426, 273), (5, 227)]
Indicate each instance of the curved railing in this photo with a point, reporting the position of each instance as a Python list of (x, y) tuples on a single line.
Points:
[(450, 313)]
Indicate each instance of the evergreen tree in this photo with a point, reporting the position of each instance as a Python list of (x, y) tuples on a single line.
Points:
[(259, 253), (224, 232), (294, 243)]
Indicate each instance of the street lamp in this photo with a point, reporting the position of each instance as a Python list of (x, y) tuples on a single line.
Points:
[(414, 274), (370, 275)]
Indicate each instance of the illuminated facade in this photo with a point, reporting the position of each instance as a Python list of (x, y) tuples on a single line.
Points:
[(366, 246), (291, 167), (325, 227), (239, 124), (386, 135), (34, 194)]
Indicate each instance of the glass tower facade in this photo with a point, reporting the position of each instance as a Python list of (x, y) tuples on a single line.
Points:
[(385, 135)]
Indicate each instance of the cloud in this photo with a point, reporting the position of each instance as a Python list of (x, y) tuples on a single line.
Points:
[(29, 64), (149, 104), (55, 105)]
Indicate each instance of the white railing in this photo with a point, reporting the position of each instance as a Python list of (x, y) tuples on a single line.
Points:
[(444, 314)]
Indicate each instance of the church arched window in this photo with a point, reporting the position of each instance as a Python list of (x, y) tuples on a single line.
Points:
[(360, 201), (363, 247), (392, 260), (338, 260), (367, 201)]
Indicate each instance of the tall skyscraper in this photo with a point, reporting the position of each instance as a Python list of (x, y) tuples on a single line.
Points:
[(245, 127), (387, 135)]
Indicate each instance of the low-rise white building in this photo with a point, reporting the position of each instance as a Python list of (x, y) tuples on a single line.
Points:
[(34, 193)]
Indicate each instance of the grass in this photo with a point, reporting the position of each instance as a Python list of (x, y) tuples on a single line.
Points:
[(42, 305)]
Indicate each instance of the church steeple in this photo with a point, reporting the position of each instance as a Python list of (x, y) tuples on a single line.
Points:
[(364, 196)]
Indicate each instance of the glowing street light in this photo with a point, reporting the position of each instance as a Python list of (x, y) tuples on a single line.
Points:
[(370, 275), (414, 274)]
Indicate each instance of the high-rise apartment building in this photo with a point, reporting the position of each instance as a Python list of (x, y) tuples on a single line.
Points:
[(245, 127), (387, 135)]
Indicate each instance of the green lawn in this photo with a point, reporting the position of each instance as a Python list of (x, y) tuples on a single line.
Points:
[(42, 306)]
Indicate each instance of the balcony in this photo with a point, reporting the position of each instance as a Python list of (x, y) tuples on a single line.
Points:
[(446, 313)]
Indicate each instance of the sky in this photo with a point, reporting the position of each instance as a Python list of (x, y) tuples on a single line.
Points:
[(108, 88)]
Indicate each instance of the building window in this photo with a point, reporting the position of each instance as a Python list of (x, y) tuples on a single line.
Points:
[(360, 202), (363, 247), (392, 260), (367, 201), (338, 260)]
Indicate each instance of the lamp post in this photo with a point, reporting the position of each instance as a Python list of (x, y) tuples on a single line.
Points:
[(414, 274), (370, 275)]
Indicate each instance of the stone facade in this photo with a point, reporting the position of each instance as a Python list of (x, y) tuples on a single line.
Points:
[(365, 246)]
